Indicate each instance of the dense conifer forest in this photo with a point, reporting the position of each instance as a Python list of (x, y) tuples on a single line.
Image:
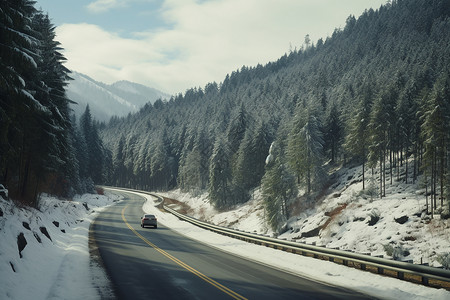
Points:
[(375, 93), (42, 148)]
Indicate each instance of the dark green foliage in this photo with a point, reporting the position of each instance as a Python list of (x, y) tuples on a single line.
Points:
[(365, 94), (35, 127), (278, 189), (38, 141), (436, 137), (221, 190), (305, 149)]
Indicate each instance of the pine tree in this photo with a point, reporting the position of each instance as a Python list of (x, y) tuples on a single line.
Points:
[(305, 151), (381, 129), (55, 141), (333, 132), (17, 67), (278, 189), (435, 130), (220, 176), (96, 154), (238, 126), (250, 164), (357, 139), (294, 145), (36, 129), (203, 146), (259, 147)]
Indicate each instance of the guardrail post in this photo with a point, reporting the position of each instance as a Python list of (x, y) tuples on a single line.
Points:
[(425, 280), (400, 275), (380, 270)]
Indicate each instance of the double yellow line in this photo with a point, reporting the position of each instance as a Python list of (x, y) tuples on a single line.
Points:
[(182, 264)]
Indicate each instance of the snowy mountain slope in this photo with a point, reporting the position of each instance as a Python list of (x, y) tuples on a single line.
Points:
[(395, 226), (105, 101)]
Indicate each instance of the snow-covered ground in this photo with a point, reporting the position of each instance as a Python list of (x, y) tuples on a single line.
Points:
[(323, 271), (342, 219), (61, 268), (54, 267)]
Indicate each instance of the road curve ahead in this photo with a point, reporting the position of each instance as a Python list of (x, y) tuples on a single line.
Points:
[(162, 264)]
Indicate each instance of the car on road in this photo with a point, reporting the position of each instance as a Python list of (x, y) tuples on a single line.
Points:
[(149, 220)]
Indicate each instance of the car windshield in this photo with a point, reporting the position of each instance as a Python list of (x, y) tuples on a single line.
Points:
[(149, 216)]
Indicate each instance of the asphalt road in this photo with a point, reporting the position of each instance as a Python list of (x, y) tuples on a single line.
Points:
[(162, 264)]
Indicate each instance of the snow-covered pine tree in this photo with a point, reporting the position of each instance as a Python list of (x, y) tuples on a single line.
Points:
[(220, 177), (381, 128), (305, 150), (436, 134), (278, 189), (357, 139)]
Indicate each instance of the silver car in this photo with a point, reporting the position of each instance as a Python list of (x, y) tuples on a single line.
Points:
[(149, 220)]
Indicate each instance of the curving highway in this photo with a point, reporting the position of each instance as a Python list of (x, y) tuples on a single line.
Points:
[(162, 264)]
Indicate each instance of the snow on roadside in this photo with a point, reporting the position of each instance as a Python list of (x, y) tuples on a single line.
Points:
[(343, 219), (245, 217), (326, 272), (54, 267)]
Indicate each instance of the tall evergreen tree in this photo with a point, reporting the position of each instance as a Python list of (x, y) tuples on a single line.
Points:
[(236, 130), (220, 176), (357, 139), (305, 151), (436, 133), (333, 132), (278, 189), (381, 127)]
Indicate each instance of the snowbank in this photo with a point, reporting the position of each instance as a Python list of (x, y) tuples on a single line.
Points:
[(55, 261), (323, 271)]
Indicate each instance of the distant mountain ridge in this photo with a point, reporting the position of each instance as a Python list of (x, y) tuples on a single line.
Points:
[(107, 100)]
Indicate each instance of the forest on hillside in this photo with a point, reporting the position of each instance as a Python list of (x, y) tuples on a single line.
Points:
[(43, 149), (375, 93)]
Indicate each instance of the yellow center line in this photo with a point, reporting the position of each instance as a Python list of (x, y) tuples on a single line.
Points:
[(182, 264)]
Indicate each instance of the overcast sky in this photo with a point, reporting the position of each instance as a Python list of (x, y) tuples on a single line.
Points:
[(174, 45)]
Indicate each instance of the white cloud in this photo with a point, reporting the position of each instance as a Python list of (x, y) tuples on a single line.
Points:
[(101, 6), (205, 41)]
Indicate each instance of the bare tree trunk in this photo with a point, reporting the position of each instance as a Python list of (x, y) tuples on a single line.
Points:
[(426, 192), (381, 176), (384, 174), (390, 164)]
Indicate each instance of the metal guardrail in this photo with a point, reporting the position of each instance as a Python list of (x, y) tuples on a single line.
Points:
[(364, 261), (401, 270)]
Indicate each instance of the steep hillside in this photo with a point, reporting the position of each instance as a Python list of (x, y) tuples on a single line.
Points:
[(376, 94), (105, 101)]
